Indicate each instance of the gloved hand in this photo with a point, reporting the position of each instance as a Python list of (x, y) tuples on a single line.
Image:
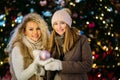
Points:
[(44, 62), (36, 56), (43, 54), (36, 53), (39, 69), (40, 62), (54, 65)]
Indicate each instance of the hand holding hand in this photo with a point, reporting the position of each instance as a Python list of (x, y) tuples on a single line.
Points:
[(44, 62), (54, 65), (42, 57)]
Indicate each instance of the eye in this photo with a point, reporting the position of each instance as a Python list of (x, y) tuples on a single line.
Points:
[(62, 22), (55, 23), (31, 29), (38, 28)]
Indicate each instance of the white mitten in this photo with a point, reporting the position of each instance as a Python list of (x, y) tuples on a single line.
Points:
[(36, 53), (43, 54), (54, 65), (44, 62)]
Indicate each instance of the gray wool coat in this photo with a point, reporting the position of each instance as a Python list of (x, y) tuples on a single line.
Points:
[(76, 62)]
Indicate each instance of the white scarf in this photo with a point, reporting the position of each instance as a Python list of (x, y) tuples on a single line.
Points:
[(32, 44)]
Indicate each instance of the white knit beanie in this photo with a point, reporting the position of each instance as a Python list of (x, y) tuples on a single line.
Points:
[(62, 15)]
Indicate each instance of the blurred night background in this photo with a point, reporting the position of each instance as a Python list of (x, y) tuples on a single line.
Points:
[(99, 20)]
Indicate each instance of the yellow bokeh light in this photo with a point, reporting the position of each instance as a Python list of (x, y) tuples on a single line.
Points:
[(99, 43), (94, 66)]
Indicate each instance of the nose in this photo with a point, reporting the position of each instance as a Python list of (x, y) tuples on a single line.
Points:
[(35, 32), (59, 26)]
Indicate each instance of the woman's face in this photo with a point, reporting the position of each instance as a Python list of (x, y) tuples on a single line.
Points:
[(32, 31), (59, 27)]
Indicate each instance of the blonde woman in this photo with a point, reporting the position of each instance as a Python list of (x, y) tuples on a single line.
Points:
[(30, 35)]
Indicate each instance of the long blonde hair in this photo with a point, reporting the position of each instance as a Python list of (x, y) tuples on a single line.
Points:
[(71, 35), (18, 32)]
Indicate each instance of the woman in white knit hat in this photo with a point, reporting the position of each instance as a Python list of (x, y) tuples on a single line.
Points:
[(71, 51), (28, 38)]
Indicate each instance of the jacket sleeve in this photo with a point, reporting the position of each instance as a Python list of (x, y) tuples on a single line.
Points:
[(84, 62), (17, 61)]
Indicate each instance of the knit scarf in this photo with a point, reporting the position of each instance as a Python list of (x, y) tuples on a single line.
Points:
[(59, 43), (32, 44)]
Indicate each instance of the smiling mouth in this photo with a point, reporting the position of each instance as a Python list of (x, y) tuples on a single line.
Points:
[(35, 36), (60, 30)]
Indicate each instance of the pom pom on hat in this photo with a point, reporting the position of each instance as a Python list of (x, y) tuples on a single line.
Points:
[(62, 15)]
